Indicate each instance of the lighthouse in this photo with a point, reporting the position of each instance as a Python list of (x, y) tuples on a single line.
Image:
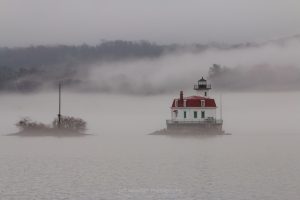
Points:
[(202, 87), (197, 114)]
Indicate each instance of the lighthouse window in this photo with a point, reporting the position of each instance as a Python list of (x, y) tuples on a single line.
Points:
[(202, 103), (184, 114), (205, 93), (202, 114), (195, 114)]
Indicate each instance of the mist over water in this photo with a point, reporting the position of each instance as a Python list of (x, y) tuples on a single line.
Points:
[(123, 101), (120, 161), (120, 64), (143, 68), (269, 66), (125, 114)]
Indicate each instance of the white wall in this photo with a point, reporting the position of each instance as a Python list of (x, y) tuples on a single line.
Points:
[(209, 112), (202, 93)]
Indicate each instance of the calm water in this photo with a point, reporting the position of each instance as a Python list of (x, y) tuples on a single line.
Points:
[(260, 160)]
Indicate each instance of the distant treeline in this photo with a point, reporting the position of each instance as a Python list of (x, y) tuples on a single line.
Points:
[(36, 56), (27, 68)]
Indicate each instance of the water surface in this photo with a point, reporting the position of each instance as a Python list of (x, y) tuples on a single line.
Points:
[(260, 160)]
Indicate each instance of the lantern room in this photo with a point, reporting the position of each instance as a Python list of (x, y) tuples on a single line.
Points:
[(202, 87)]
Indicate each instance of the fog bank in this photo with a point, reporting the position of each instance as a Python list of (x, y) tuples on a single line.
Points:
[(272, 66), (143, 68)]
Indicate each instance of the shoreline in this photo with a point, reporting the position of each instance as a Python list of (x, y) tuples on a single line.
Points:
[(187, 133), (54, 132)]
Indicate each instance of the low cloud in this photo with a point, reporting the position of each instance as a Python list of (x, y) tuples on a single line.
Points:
[(148, 69), (270, 66)]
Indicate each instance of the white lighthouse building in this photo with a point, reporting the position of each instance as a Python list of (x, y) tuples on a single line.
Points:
[(195, 113)]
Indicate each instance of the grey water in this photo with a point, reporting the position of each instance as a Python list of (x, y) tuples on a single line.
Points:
[(119, 160)]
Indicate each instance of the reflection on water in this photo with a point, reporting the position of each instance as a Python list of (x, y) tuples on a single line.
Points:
[(259, 160)]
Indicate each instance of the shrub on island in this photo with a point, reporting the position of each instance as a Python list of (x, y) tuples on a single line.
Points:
[(70, 123), (67, 125)]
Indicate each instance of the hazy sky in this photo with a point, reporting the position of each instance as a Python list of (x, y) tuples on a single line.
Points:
[(25, 22)]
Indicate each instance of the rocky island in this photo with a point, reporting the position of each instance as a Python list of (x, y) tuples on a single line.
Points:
[(68, 126), (62, 126)]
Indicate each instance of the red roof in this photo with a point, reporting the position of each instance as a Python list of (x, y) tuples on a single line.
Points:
[(195, 101)]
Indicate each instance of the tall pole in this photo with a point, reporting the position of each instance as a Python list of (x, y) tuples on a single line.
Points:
[(59, 104)]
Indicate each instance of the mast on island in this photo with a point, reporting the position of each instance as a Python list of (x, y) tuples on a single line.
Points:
[(59, 104)]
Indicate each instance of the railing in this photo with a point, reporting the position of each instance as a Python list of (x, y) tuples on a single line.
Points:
[(212, 121), (199, 87)]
